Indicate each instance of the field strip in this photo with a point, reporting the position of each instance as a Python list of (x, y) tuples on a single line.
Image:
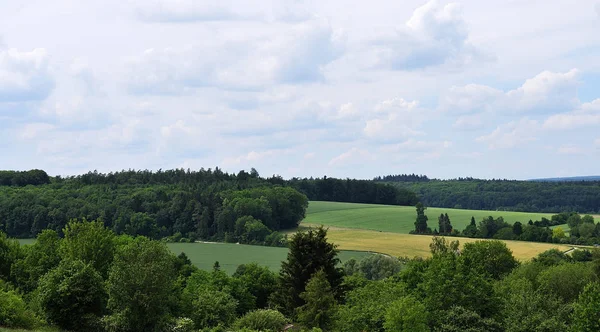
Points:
[(400, 245)]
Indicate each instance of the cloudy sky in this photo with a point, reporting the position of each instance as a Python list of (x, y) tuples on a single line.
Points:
[(491, 89)]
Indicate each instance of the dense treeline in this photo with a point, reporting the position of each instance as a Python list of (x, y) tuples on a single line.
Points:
[(185, 205), (23, 178), (95, 280), (524, 196), (353, 191), (402, 178)]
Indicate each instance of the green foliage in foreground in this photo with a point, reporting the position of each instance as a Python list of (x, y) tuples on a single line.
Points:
[(148, 288)]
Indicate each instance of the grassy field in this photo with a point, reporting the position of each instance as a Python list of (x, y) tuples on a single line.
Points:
[(230, 255), (397, 219), (400, 245)]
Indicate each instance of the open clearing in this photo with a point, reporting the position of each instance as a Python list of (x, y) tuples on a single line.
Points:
[(401, 245), (398, 219), (230, 255)]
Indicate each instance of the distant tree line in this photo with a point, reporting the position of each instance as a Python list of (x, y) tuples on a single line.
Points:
[(23, 178), (524, 196), (182, 205), (402, 178)]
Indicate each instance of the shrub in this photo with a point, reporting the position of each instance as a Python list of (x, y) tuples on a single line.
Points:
[(13, 312), (262, 320), (72, 296)]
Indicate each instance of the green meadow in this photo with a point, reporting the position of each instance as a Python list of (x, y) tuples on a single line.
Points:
[(398, 219), (230, 255)]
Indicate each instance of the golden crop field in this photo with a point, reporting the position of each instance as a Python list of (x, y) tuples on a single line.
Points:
[(396, 244)]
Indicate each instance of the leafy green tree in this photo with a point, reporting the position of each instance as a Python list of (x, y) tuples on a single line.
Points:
[(421, 222), (551, 257), (13, 311), (558, 233), (267, 320), (574, 220), (309, 252), (566, 281), (320, 304), (212, 308), (586, 230), (140, 286), (517, 228), (587, 219), (40, 257), (259, 280), (406, 314), (459, 319), (447, 282), (492, 258), (524, 309), (90, 242), (471, 229), (586, 316), (10, 253), (365, 307), (373, 267), (72, 296)]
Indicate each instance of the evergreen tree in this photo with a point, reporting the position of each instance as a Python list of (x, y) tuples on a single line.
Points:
[(471, 229), (421, 222), (309, 252), (444, 223), (319, 307)]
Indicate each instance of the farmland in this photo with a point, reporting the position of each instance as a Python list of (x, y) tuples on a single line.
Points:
[(230, 256), (397, 219), (401, 245)]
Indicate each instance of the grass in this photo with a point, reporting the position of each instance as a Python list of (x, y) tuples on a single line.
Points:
[(398, 219), (230, 256), (401, 245)]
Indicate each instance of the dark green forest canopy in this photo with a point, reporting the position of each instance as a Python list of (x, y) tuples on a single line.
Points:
[(524, 196), (204, 204)]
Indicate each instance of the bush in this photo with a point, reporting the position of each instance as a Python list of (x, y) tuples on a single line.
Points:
[(183, 324), (72, 296), (262, 320), (13, 311)]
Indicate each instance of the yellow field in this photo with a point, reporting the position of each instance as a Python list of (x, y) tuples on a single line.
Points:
[(401, 245)]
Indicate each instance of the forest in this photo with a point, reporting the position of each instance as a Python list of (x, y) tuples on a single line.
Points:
[(508, 195), (92, 279), (189, 205)]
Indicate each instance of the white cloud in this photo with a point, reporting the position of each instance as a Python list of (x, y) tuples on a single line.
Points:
[(24, 76), (412, 145), (570, 149), (597, 9), (289, 54), (588, 115), (546, 92), (436, 34), (194, 11), (34, 130), (468, 122), (253, 157), (352, 156), (512, 134), (394, 119)]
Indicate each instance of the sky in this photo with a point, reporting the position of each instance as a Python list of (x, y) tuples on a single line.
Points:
[(487, 89)]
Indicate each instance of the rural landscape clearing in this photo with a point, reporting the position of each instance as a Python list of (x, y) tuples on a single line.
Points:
[(299, 166)]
